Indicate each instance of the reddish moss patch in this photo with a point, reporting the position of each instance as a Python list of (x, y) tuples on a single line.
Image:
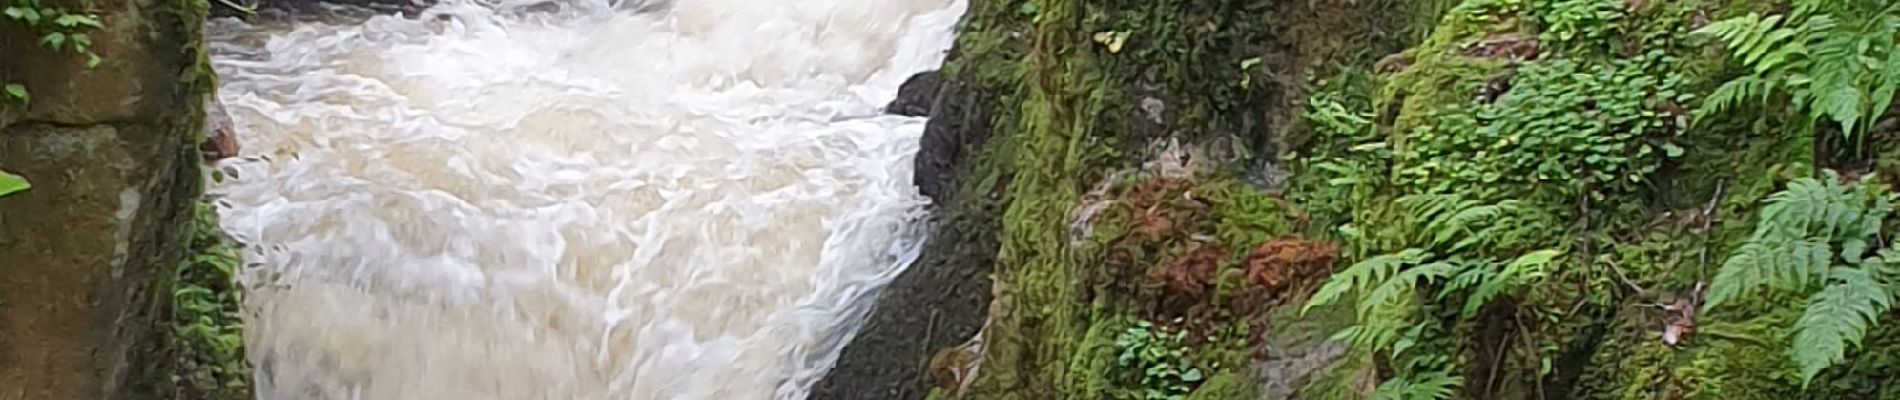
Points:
[(1290, 264)]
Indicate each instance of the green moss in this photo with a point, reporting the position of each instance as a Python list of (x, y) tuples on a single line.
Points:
[(1226, 386), (1244, 218)]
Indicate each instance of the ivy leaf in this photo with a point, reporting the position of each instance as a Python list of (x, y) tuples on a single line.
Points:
[(53, 40), (1192, 375), (77, 20), (10, 184), (18, 92), (1672, 150)]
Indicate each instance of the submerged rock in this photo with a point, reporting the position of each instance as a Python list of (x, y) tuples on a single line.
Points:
[(220, 141)]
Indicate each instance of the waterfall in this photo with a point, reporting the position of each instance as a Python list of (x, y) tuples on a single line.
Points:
[(688, 199)]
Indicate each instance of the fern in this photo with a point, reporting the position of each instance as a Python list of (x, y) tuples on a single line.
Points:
[(1385, 288), (1826, 55), (1837, 317), (1363, 274), (1487, 284), (1791, 247), (1815, 233), (1429, 386)]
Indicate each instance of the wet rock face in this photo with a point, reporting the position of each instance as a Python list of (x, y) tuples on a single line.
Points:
[(958, 128), (917, 95), (939, 302), (112, 155)]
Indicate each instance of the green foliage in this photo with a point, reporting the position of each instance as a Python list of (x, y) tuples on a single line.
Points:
[(1833, 59), (1565, 126), (207, 323), (59, 29), (1818, 233), (10, 184), (17, 92), (1450, 242), (1153, 362), (1580, 25), (1433, 381)]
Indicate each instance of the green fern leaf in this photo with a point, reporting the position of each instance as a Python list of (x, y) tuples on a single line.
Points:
[(1731, 94), (1754, 37), (1834, 69), (1373, 334), (1790, 248), (1522, 272), (1836, 318), (1362, 275), (1773, 42), (1401, 286), (1434, 385), (1889, 77), (1728, 30)]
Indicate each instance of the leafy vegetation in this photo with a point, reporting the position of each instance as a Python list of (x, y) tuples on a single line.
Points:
[(10, 184), (59, 29), (1818, 234), (207, 322), (1828, 59), (1450, 234), (1155, 361)]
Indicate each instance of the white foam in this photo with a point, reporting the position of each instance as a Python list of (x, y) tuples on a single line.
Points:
[(691, 203)]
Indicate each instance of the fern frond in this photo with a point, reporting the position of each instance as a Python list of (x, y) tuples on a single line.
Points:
[(1732, 32), (1773, 264), (1836, 68), (1402, 286), (1371, 335), (1730, 95), (1836, 318), (1791, 246), (1522, 272), (1471, 277), (1889, 78), (1363, 275), (1450, 223), (1434, 385)]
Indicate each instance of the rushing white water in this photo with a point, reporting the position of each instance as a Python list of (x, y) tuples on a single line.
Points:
[(497, 201)]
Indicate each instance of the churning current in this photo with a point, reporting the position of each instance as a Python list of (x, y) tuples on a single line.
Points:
[(692, 199)]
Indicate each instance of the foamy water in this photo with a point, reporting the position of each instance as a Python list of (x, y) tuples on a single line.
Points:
[(692, 202)]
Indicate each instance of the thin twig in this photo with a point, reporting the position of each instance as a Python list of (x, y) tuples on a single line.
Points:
[(1625, 278), (1531, 349), (1708, 219)]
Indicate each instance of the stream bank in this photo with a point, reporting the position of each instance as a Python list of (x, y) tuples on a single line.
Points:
[(1141, 201)]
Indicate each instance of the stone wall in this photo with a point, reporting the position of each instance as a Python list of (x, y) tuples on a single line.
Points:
[(86, 255)]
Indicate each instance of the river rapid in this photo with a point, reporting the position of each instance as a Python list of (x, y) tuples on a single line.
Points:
[(694, 199)]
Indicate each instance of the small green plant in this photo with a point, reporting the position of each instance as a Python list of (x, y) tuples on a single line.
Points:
[(10, 184), (208, 328), (1828, 59), (1580, 24), (59, 29), (1817, 234), (1448, 238), (1155, 361), (1571, 127)]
